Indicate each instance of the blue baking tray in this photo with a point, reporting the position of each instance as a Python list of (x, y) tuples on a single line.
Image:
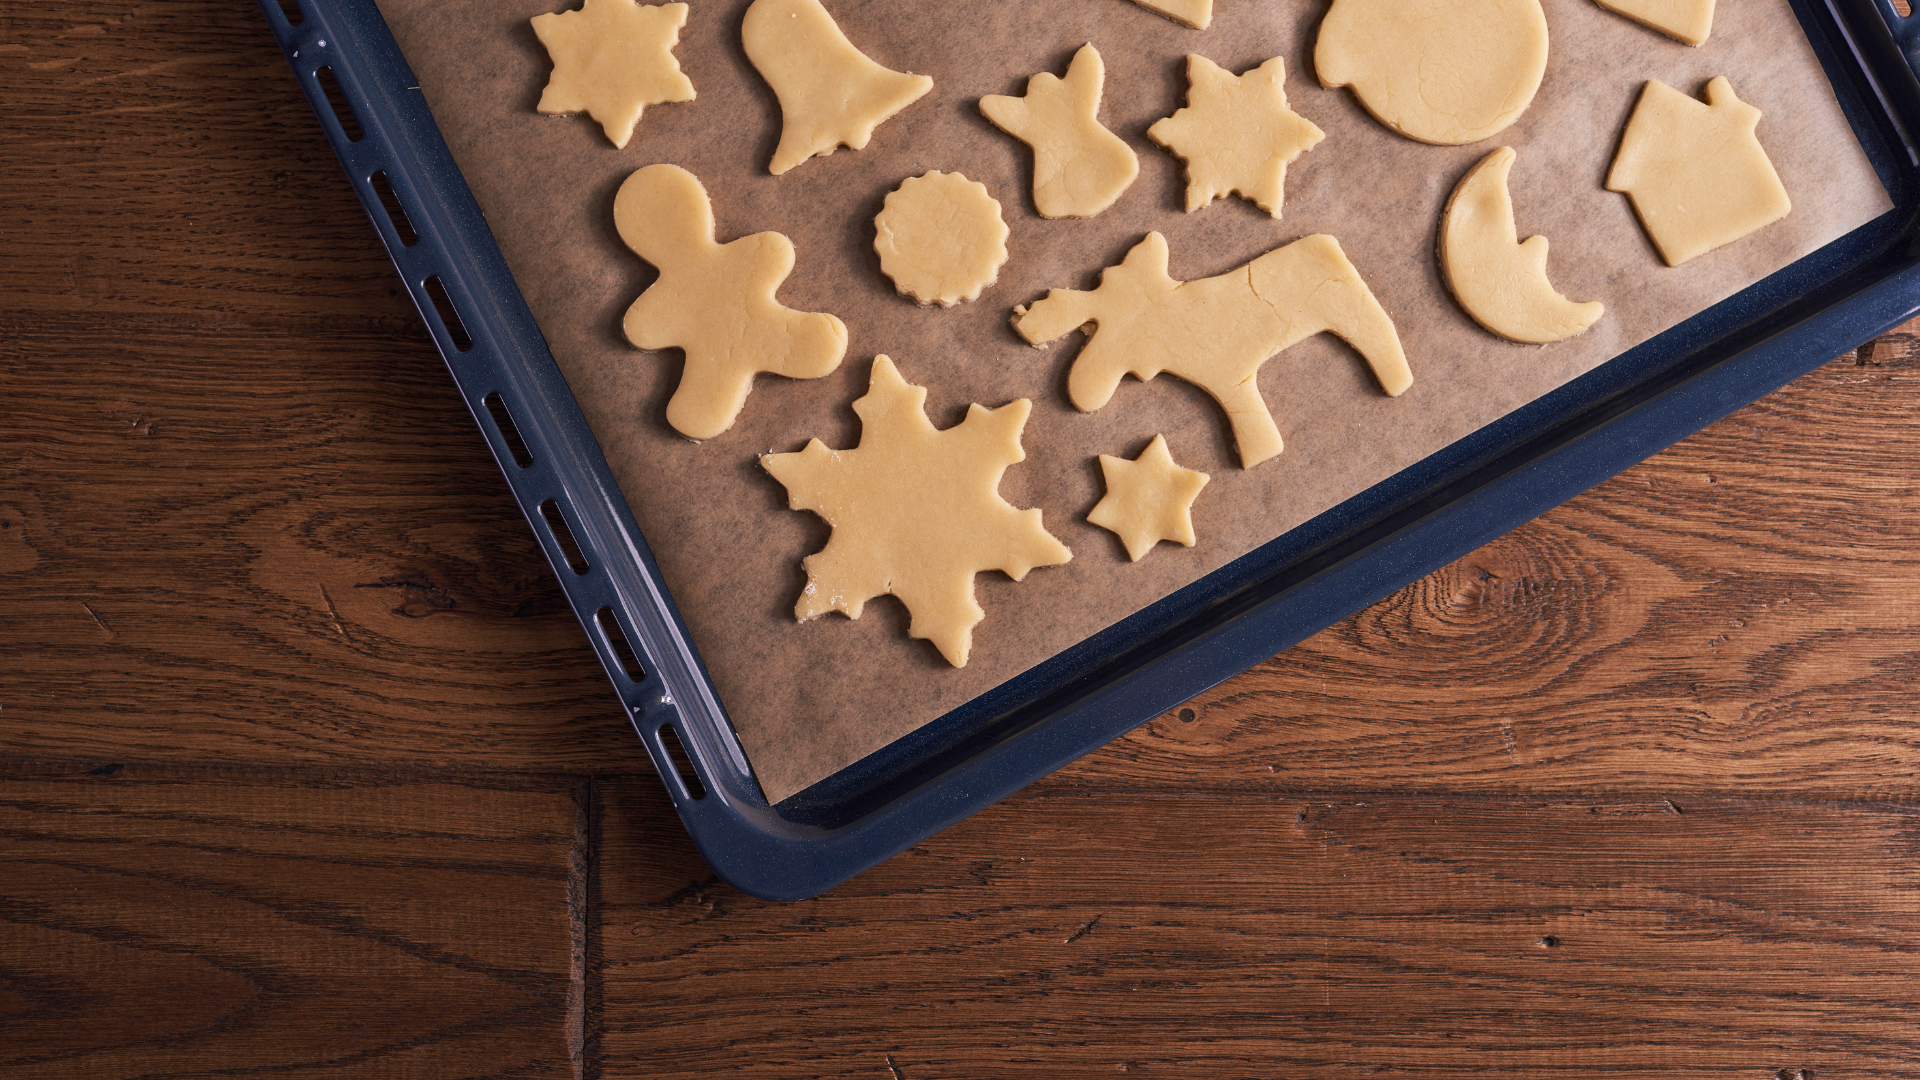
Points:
[(376, 119)]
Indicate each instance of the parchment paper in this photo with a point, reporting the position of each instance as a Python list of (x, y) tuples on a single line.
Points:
[(808, 699)]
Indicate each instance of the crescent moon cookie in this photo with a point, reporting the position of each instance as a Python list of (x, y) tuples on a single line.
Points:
[(1438, 71), (1500, 281), (831, 94)]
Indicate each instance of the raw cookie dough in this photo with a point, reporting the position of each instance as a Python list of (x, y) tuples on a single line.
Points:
[(1500, 281), (1079, 167), (940, 238), (1215, 333), (1236, 134), (831, 94), (715, 301), (612, 59), (1696, 173), (1685, 20), (1194, 13), (1149, 499), (1440, 71), (915, 512)]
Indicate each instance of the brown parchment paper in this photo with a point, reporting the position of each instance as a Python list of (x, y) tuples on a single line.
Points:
[(808, 699)]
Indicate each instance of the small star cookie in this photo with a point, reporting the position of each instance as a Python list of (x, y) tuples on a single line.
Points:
[(1079, 167), (1149, 499), (831, 94), (1236, 134), (916, 512), (612, 59)]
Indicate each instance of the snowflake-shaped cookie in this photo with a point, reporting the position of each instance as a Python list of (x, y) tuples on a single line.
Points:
[(1236, 134), (916, 512), (612, 59)]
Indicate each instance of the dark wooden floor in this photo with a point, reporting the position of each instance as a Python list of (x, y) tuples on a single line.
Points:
[(306, 769)]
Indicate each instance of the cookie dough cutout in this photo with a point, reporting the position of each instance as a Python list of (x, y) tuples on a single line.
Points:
[(715, 302), (1149, 499), (1216, 332), (1500, 281), (941, 238), (1683, 20), (612, 59), (831, 94), (1079, 167), (1195, 13), (915, 512), (1236, 134), (1438, 71), (1696, 173)]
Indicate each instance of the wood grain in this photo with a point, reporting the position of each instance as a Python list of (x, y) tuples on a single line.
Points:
[(266, 923), (160, 160), (1323, 934), (305, 769), (1740, 614), (288, 550)]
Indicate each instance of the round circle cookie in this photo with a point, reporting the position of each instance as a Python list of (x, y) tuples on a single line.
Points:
[(1439, 71), (940, 238)]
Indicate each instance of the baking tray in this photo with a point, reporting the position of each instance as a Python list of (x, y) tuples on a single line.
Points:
[(373, 114)]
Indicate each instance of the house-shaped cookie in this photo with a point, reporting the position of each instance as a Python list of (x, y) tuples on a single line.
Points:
[(1696, 174)]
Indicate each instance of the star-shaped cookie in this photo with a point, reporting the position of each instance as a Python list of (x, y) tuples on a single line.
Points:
[(612, 59), (1149, 499), (1236, 134)]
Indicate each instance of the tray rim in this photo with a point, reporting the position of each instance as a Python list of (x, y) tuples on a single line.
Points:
[(778, 854)]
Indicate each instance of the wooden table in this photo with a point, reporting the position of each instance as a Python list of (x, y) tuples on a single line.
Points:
[(306, 769)]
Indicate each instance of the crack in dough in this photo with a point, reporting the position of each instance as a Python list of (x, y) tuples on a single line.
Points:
[(1195, 13), (1216, 332)]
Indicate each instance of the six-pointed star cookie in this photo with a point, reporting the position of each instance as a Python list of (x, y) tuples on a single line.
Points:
[(612, 59), (1149, 499), (1236, 133)]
